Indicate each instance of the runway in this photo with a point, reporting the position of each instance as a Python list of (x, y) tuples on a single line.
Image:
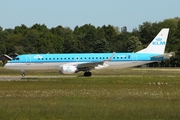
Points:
[(40, 78), (20, 78), (30, 78)]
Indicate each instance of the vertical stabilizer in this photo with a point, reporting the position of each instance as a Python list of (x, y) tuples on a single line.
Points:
[(158, 44)]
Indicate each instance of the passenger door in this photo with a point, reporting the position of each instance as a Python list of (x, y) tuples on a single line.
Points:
[(28, 59)]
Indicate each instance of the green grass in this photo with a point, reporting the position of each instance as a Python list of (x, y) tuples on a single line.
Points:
[(124, 94)]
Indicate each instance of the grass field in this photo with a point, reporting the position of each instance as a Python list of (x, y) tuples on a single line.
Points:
[(135, 93)]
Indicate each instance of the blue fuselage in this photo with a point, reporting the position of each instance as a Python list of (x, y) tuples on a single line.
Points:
[(53, 61)]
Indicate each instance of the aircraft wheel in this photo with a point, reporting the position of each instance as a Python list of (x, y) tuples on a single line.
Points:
[(23, 74), (87, 73)]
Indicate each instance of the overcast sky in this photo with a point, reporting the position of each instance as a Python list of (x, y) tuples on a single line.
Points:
[(71, 13)]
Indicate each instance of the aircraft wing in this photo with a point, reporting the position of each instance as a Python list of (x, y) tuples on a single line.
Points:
[(88, 66), (94, 65)]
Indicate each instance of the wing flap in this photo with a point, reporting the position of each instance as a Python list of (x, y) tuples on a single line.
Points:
[(88, 66)]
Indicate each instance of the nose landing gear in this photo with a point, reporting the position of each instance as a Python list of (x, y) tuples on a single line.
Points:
[(23, 73)]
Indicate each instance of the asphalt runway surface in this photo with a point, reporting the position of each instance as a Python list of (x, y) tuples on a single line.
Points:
[(20, 78), (30, 78), (10, 78)]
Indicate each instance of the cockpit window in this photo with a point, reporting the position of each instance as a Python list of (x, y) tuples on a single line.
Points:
[(15, 58)]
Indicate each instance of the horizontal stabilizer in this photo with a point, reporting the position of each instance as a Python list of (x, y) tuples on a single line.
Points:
[(163, 56)]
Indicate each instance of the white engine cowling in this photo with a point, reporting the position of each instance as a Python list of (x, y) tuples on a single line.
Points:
[(68, 69)]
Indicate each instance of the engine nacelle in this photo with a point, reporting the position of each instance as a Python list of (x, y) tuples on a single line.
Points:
[(68, 69)]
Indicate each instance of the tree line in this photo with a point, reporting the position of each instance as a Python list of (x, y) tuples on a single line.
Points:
[(89, 39)]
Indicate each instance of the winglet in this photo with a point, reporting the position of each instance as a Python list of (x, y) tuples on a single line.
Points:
[(110, 57), (158, 44)]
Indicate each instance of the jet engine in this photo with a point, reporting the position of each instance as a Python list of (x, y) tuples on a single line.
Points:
[(68, 69)]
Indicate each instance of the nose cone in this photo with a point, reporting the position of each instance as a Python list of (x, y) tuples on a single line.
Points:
[(12, 66), (7, 65)]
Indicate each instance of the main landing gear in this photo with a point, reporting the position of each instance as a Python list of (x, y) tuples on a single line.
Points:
[(87, 73)]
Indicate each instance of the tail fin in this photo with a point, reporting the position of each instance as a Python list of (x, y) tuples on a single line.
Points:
[(158, 44)]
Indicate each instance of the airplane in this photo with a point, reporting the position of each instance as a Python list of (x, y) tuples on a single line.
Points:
[(76, 62)]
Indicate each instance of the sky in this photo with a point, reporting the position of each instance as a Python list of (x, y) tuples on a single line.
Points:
[(72, 13)]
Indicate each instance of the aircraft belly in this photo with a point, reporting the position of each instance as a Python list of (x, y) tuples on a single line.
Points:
[(32, 66), (55, 65), (120, 65)]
